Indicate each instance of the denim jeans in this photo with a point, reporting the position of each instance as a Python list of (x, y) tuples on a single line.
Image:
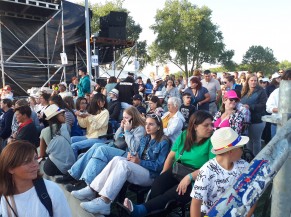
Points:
[(82, 142), (94, 161), (255, 135)]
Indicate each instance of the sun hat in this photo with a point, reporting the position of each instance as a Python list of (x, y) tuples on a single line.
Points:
[(114, 91), (52, 111), (231, 94), (226, 139), (275, 75)]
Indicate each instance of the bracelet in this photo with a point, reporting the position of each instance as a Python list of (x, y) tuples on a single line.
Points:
[(191, 177)]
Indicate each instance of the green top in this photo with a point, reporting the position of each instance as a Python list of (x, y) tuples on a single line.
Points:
[(197, 156)]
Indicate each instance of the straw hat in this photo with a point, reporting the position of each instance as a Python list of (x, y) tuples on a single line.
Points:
[(52, 111), (226, 139)]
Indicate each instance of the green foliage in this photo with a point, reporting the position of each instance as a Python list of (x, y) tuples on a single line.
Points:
[(284, 65), (258, 58), (186, 35)]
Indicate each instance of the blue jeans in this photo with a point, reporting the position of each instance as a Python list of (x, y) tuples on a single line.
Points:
[(82, 142), (255, 135), (94, 161)]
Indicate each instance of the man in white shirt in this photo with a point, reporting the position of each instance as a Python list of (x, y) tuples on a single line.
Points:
[(214, 89)]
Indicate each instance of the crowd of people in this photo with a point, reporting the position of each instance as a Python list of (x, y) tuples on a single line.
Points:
[(202, 123)]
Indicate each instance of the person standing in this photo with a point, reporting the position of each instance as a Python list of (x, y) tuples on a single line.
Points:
[(6, 120), (127, 89), (84, 84), (213, 87), (254, 98)]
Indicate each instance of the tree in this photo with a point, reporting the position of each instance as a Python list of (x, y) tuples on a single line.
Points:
[(284, 65), (186, 35), (258, 58)]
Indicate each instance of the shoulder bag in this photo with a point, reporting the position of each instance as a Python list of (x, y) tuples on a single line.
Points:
[(179, 170)]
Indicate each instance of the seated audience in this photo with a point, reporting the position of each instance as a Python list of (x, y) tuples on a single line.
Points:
[(173, 120), (229, 115), (20, 184), (193, 149), (55, 142), (137, 102), (27, 130), (186, 108), (139, 168), (87, 167), (95, 121), (209, 184), (114, 105), (155, 106)]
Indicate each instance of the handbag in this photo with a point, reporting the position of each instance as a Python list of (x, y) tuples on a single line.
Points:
[(120, 142), (179, 170)]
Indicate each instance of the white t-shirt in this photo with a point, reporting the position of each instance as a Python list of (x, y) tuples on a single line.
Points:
[(213, 180), (29, 205)]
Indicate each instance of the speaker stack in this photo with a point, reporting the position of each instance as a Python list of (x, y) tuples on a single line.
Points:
[(105, 55), (113, 25)]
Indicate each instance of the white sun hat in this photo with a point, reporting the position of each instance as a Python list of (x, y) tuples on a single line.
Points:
[(52, 111), (226, 139)]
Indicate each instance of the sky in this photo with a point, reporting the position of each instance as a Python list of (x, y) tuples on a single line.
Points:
[(243, 23)]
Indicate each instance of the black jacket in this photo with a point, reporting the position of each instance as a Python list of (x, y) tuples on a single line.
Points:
[(127, 89), (114, 108), (6, 122)]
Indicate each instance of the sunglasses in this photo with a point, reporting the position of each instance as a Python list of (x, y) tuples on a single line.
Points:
[(231, 100), (154, 116)]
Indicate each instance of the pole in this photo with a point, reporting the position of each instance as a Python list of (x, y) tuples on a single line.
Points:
[(47, 55), (63, 38), (281, 193), (88, 49), (1, 56)]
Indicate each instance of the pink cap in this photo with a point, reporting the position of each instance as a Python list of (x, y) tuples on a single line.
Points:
[(231, 94)]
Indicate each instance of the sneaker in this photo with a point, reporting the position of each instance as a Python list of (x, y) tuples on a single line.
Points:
[(84, 194), (96, 206), (75, 187), (65, 179)]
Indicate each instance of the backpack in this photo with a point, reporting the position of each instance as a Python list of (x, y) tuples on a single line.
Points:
[(43, 195)]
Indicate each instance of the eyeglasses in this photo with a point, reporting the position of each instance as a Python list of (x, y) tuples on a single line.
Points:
[(154, 116)]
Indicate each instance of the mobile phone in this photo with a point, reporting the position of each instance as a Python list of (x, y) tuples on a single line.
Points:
[(130, 120)]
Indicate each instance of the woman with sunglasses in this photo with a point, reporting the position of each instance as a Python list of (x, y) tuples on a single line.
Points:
[(19, 171), (229, 116), (196, 146), (140, 168)]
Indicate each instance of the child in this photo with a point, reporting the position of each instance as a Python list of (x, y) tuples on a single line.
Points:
[(219, 173), (187, 109)]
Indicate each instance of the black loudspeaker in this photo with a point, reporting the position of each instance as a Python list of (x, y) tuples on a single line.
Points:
[(117, 19), (114, 32), (113, 19), (105, 55)]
